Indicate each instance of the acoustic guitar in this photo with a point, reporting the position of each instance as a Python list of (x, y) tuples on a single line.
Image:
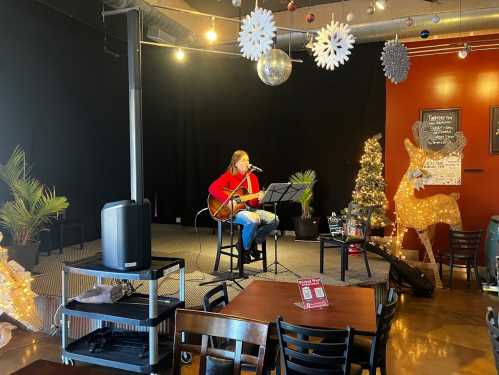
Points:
[(224, 213)]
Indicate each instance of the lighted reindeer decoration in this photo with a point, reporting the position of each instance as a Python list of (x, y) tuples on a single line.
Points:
[(422, 214)]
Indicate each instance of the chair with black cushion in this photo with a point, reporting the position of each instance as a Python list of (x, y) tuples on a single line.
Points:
[(363, 215), (215, 361), (493, 325), (462, 253), (369, 348), (232, 252), (303, 352)]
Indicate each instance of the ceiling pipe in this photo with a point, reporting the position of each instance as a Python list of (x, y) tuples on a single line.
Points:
[(159, 26), (450, 22)]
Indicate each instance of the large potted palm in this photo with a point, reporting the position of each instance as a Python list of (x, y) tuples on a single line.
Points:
[(306, 226), (31, 210)]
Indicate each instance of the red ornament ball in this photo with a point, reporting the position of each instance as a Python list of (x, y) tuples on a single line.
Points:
[(310, 17), (291, 6)]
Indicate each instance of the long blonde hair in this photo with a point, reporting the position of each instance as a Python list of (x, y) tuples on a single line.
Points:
[(236, 156)]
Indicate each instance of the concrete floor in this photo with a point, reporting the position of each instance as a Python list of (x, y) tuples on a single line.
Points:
[(445, 334)]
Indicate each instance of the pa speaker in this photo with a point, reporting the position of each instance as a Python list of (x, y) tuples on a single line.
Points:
[(126, 235)]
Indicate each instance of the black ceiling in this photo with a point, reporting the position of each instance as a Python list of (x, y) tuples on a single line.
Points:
[(226, 9)]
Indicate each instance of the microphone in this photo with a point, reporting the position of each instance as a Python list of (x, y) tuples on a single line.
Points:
[(255, 168)]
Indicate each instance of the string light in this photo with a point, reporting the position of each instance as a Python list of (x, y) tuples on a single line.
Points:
[(211, 34), (179, 54), (17, 300), (380, 4), (416, 213), (370, 184)]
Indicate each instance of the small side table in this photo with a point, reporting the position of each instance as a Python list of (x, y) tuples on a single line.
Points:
[(328, 241)]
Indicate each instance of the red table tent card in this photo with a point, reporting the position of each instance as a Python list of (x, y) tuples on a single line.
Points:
[(312, 294)]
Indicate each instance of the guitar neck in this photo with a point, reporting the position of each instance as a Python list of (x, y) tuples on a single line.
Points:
[(248, 197)]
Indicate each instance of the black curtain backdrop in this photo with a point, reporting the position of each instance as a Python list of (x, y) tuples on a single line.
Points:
[(197, 113), (65, 102)]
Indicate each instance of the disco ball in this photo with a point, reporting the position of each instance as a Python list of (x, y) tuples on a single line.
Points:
[(274, 68)]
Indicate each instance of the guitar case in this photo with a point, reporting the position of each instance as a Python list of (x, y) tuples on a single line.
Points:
[(403, 274)]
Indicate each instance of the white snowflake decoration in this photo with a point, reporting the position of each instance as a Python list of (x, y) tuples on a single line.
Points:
[(257, 33), (332, 45), (395, 61)]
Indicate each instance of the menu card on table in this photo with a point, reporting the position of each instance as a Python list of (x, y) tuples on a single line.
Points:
[(312, 294)]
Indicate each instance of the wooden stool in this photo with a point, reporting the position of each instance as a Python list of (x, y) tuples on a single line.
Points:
[(235, 254)]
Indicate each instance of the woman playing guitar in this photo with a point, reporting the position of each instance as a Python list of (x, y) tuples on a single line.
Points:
[(257, 223)]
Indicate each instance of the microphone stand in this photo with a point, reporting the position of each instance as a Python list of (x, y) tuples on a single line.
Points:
[(231, 277)]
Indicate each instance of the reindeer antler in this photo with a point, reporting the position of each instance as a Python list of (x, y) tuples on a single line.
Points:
[(421, 133)]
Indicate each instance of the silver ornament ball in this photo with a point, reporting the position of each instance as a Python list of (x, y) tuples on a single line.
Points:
[(236, 3), (435, 18), (274, 68), (370, 10), (350, 17)]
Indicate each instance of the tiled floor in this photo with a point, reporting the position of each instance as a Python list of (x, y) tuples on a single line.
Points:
[(445, 335)]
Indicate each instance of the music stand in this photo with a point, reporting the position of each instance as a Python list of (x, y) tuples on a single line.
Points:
[(279, 193)]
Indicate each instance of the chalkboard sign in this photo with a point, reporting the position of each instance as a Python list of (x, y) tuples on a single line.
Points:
[(494, 130), (442, 126)]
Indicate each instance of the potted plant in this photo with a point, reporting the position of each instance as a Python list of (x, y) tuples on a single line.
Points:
[(30, 211), (306, 226)]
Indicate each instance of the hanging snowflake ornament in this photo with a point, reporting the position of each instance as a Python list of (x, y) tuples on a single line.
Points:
[(395, 61), (332, 45), (257, 33)]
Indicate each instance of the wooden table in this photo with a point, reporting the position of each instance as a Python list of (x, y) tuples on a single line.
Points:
[(265, 300)]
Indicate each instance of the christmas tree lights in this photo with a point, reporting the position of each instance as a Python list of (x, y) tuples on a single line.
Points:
[(370, 184)]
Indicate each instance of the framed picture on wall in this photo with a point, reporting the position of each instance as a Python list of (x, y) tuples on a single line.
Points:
[(494, 130), (442, 124)]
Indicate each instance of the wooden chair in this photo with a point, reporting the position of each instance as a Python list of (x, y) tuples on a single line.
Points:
[(370, 352), (209, 324), (344, 242), (233, 252), (463, 248), (303, 352), (493, 325)]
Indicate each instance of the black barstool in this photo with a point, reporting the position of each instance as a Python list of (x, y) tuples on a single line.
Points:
[(231, 246)]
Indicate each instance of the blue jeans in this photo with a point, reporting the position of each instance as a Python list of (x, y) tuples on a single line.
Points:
[(257, 224)]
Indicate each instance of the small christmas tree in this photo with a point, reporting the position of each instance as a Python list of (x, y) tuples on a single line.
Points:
[(370, 184)]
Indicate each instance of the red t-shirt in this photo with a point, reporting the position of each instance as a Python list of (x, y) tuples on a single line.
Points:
[(230, 181)]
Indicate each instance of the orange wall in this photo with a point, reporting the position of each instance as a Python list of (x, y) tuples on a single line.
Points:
[(445, 81)]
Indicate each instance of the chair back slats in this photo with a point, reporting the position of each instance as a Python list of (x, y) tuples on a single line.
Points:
[(320, 359), (297, 368), (465, 241), (220, 301), (237, 357), (209, 324), (384, 319), (493, 325), (219, 325), (203, 352), (314, 351), (307, 345)]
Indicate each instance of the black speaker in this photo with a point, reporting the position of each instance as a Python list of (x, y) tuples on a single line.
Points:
[(126, 235)]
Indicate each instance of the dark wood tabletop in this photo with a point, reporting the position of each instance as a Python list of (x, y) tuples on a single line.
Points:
[(265, 300)]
